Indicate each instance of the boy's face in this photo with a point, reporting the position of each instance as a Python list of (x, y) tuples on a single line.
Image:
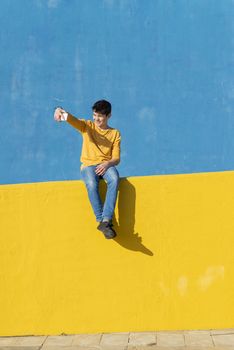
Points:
[(100, 119)]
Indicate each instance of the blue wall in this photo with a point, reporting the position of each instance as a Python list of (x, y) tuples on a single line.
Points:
[(166, 66)]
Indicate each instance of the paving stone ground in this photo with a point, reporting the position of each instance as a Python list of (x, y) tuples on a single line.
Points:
[(177, 340)]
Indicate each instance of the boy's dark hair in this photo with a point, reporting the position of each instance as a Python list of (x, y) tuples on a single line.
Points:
[(102, 106)]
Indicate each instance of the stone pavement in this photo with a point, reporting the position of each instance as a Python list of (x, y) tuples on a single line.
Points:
[(177, 340)]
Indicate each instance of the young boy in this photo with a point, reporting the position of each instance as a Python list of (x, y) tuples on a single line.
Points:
[(100, 154)]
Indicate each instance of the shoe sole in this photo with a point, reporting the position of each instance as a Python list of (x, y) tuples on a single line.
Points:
[(110, 237), (106, 235)]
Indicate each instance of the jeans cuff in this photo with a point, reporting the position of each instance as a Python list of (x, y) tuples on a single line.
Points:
[(106, 219)]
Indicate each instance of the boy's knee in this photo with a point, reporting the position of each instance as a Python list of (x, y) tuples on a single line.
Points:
[(91, 185), (113, 180)]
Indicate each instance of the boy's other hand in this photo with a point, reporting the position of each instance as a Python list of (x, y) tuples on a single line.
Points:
[(58, 113), (102, 168)]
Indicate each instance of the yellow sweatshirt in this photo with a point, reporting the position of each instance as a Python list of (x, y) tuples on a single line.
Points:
[(98, 145)]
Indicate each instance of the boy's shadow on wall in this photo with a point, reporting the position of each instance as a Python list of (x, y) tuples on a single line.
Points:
[(126, 237)]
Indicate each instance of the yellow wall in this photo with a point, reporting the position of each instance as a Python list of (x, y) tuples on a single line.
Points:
[(171, 266)]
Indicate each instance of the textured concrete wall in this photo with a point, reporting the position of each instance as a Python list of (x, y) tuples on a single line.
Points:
[(166, 66), (170, 267)]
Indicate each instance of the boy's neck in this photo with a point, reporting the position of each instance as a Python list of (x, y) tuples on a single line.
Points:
[(105, 128)]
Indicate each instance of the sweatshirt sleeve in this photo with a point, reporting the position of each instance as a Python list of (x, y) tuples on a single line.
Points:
[(79, 124), (116, 146)]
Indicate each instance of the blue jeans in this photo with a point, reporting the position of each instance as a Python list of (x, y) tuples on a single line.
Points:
[(91, 179)]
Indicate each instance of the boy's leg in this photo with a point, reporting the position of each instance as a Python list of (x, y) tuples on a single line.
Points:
[(111, 176), (91, 180)]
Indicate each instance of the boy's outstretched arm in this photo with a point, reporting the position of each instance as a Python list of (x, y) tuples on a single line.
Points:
[(61, 115)]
